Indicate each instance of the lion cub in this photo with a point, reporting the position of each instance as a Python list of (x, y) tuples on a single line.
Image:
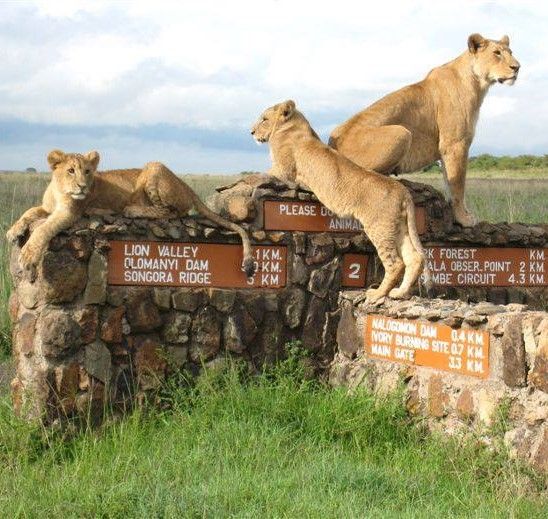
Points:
[(383, 205), (76, 188)]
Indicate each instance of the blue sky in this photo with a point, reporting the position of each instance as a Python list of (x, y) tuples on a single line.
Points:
[(182, 82)]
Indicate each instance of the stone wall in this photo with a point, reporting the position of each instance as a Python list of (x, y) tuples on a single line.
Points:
[(80, 342), (513, 390)]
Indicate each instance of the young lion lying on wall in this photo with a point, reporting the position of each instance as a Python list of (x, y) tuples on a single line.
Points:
[(383, 205), (77, 188)]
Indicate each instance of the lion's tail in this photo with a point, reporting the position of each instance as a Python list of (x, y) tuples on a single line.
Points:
[(249, 263), (415, 240)]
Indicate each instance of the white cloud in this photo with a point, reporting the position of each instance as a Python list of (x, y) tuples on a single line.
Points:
[(209, 64)]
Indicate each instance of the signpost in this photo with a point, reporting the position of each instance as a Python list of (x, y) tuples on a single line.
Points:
[(314, 217), (151, 263), (423, 343), (488, 266), (354, 270)]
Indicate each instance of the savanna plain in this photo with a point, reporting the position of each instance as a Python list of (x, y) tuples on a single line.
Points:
[(272, 445)]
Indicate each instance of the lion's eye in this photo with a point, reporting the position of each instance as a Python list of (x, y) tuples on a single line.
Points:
[(71, 171), (264, 119), (88, 171), (497, 52)]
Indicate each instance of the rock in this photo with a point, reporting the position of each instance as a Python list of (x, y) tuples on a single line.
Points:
[(514, 369), (465, 405), (13, 306), (176, 328), (150, 363), (24, 334), (348, 340), (80, 246), (162, 298), (142, 315), (63, 277), (28, 294), (293, 304), (176, 356), (438, 399), (539, 452), (321, 248), (206, 335), (314, 323), (539, 374), (299, 271), (96, 288), (267, 346), (299, 239), (88, 319), (321, 279), (488, 309), (239, 330), (57, 332), (187, 299), (112, 328), (222, 300), (97, 361), (486, 405), (66, 379)]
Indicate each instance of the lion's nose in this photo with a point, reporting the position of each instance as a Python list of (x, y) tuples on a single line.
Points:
[(252, 132), (515, 67)]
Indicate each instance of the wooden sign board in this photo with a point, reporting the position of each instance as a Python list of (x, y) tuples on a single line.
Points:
[(151, 263), (488, 266), (280, 215), (354, 270), (423, 343)]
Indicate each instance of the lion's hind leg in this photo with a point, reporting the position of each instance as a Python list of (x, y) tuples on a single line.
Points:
[(381, 149), (393, 268), (413, 266)]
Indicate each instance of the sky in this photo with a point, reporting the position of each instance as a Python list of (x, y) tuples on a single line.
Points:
[(182, 82)]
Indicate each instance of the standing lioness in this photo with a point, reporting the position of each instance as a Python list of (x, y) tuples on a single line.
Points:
[(77, 188), (430, 120), (383, 205)]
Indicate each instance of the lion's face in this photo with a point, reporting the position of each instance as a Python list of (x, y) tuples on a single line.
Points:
[(73, 172), (270, 120), (493, 60)]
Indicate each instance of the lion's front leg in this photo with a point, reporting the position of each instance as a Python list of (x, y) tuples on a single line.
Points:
[(455, 158), (21, 226), (39, 240)]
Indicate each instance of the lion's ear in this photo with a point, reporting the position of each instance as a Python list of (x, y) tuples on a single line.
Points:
[(475, 41), (505, 40), (55, 157), (287, 108), (93, 158)]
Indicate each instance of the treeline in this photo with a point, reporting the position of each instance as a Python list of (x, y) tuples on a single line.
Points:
[(486, 161)]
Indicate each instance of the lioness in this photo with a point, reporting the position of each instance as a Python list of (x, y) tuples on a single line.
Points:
[(382, 204), (77, 188), (430, 120)]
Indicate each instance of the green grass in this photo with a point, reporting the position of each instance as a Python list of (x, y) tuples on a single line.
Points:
[(273, 446)]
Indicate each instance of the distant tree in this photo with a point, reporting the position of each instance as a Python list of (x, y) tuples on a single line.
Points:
[(30, 170)]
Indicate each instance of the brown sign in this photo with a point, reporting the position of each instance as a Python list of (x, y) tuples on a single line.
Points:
[(488, 266), (354, 270), (424, 343), (152, 263), (314, 217)]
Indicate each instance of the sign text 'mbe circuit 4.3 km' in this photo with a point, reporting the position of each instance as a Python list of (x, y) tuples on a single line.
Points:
[(151, 263), (488, 266)]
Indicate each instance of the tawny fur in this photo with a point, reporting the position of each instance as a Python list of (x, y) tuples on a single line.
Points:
[(76, 188), (430, 120), (382, 204)]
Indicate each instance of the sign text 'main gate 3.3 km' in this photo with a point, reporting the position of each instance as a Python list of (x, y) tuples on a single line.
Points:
[(151, 263)]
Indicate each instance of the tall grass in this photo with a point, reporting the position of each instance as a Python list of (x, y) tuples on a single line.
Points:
[(272, 446)]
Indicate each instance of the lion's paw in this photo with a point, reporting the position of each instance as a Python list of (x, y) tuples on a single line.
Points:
[(29, 256), (398, 293), (373, 295), (465, 218), (16, 232)]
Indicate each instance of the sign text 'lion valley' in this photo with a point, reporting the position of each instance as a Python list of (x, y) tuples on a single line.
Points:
[(488, 266), (315, 217), (424, 343), (151, 263)]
